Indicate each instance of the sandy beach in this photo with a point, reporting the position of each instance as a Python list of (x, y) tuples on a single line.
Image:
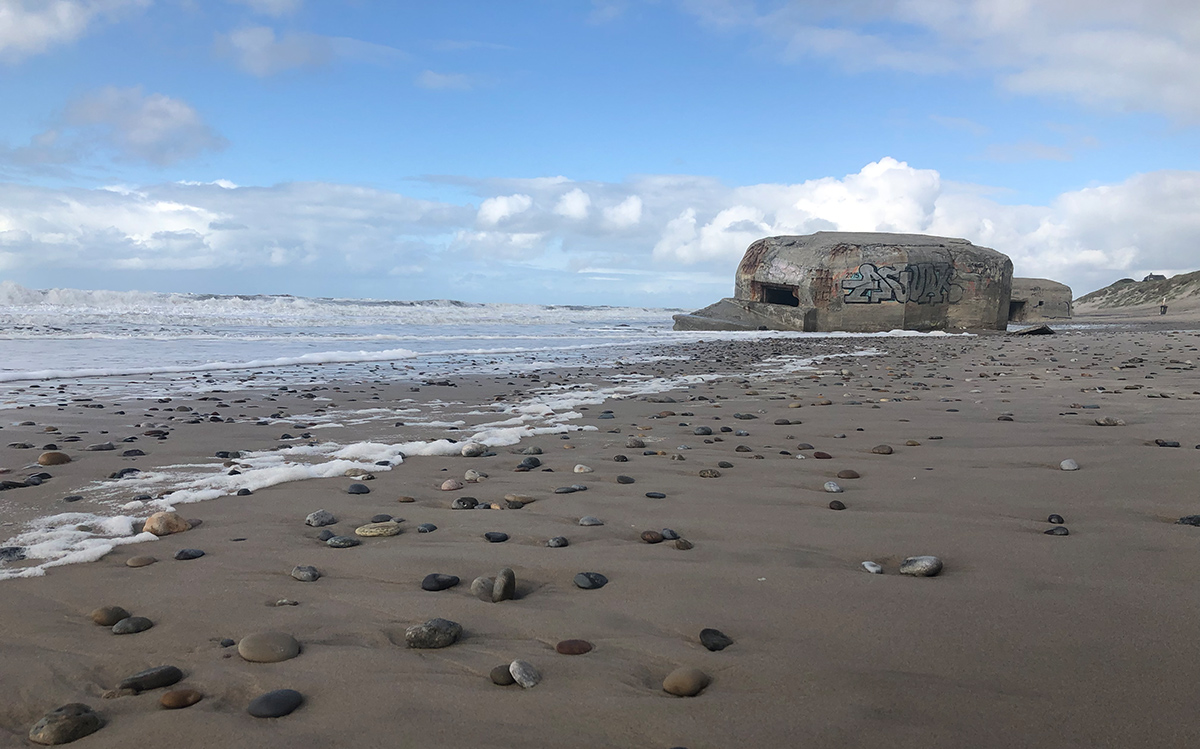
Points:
[(1023, 639)]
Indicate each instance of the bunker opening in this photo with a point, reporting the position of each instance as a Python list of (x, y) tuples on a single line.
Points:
[(779, 294), (1016, 311)]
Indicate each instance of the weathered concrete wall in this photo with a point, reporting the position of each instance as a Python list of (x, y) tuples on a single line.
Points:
[(1036, 299), (866, 282)]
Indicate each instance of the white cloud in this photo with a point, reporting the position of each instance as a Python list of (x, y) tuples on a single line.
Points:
[(443, 81), (258, 51), (574, 204), (137, 126), (518, 245), (626, 213), (494, 210), (271, 7), (29, 27)]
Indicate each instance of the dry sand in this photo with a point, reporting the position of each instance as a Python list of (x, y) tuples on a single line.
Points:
[(1024, 639)]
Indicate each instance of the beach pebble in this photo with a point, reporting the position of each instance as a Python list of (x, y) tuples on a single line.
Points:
[(140, 561), (165, 523), (573, 647), (1193, 520), (557, 542), (305, 573), (670, 535), (131, 625), (832, 487), (501, 676), (1069, 465), (635, 443), (1108, 421), (590, 580), (505, 586), (496, 537), (710, 473), (436, 581), (582, 469), (715, 639), (152, 678), (381, 518), (656, 495), (358, 489), (565, 490), (1058, 530), (837, 504), (589, 520), (342, 542), (185, 555), (101, 447), (372, 530), (620, 459), (923, 566), (625, 480), (1056, 519), (180, 698), (482, 587), (847, 474), (882, 450), (325, 534), (524, 674), (275, 704), (529, 464), (435, 633), (426, 528), (320, 518), (106, 616), (822, 455), (912, 443), (450, 485), (473, 450), (873, 567), (702, 431), (268, 647), (471, 476), (685, 682), (406, 499), (683, 544), (53, 458), (1166, 443), (652, 537), (464, 503), (65, 724)]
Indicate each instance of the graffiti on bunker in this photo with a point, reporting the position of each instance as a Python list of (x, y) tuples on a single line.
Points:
[(923, 283)]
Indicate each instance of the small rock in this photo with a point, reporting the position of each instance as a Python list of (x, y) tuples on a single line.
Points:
[(185, 555), (501, 676), (1058, 530), (589, 520), (1108, 421), (268, 647), (372, 530), (590, 580), (710, 473), (652, 537), (275, 704), (325, 534), (450, 485), (464, 503), (106, 616), (131, 625), (165, 523), (620, 459), (180, 698), (305, 573), (873, 567), (683, 544), (381, 518), (625, 480), (573, 647), (103, 446), (342, 542), (140, 561), (557, 542), (882, 450), (474, 477), (482, 587), (669, 534), (152, 678), (320, 518), (847, 474), (435, 633), (524, 674), (426, 528), (924, 566), (837, 504), (832, 487), (1189, 520), (1056, 519), (1166, 443), (656, 495), (505, 586), (685, 682), (473, 450), (436, 581), (358, 489), (715, 639), (635, 443), (53, 458), (822, 455), (496, 537), (583, 469), (1069, 465), (65, 724)]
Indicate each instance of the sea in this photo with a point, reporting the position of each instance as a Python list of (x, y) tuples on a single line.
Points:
[(120, 345)]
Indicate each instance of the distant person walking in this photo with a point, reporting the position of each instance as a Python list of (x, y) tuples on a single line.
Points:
[(1162, 308)]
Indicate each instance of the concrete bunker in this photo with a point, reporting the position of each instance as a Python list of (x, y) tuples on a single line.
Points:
[(1037, 299), (852, 281)]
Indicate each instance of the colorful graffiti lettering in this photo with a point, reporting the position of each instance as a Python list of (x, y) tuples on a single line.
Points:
[(922, 283)]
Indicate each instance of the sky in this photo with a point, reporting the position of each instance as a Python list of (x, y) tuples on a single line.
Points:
[(620, 152)]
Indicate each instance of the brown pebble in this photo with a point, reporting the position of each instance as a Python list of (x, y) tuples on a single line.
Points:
[(407, 499), (502, 677), (882, 450), (847, 474), (178, 698), (652, 537), (685, 682), (142, 561), (53, 458), (573, 647), (912, 443), (683, 544), (821, 456), (106, 616)]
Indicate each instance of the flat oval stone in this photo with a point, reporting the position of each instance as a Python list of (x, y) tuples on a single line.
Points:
[(426, 528), (435, 633), (847, 474), (832, 487), (184, 555), (358, 489), (625, 480), (1056, 519), (683, 544), (590, 580), (106, 616), (587, 520), (464, 503), (573, 647), (1069, 465), (381, 518), (268, 647), (837, 504), (524, 674), (65, 724), (325, 534), (342, 542), (873, 567), (670, 535), (620, 459), (724, 464), (53, 458), (180, 698), (557, 542), (152, 678), (436, 581), (710, 473), (275, 704), (306, 573), (1058, 530), (822, 456), (496, 537), (882, 450), (370, 530), (132, 625), (450, 485), (685, 682), (924, 566), (652, 537), (140, 561), (505, 586), (1193, 520), (656, 495), (715, 639), (501, 676)]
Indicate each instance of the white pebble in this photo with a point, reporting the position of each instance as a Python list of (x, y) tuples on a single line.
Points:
[(1069, 465), (581, 468), (832, 487), (873, 568), (525, 674)]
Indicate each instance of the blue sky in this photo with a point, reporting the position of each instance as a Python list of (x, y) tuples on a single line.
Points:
[(619, 152)]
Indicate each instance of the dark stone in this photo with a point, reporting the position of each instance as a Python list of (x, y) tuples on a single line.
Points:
[(185, 554), (132, 625), (702, 431), (1056, 519), (496, 537), (342, 542), (132, 454), (565, 490), (358, 489), (1166, 443), (107, 616), (620, 459), (381, 518), (426, 528), (573, 647), (435, 633), (847, 474), (625, 480), (670, 535), (65, 724), (530, 462), (557, 542), (152, 678), (1189, 520), (244, 492), (306, 573), (325, 535), (464, 503), (436, 581), (1058, 530), (837, 504), (724, 464), (501, 676), (590, 580), (715, 639), (275, 704), (652, 537), (73, 498), (822, 456), (656, 495), (12, 553)]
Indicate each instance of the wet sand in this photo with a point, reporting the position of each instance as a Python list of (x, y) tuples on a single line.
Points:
[(1024, 639)]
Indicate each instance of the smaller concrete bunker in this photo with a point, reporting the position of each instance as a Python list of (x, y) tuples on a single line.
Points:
[(1038, 299), (863, 282)]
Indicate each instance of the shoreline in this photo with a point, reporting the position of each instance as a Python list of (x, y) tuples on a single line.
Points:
[(1024, 638)]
